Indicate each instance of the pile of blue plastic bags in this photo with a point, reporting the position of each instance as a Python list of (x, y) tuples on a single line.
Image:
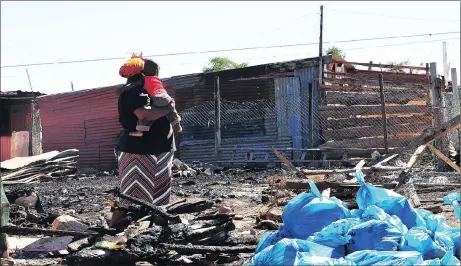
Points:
[(385, 230)]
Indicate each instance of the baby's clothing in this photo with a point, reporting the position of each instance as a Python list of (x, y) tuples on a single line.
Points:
[(158, 97)]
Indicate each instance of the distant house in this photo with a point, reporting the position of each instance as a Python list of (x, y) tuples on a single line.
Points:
[(16, 126), (261, 105)]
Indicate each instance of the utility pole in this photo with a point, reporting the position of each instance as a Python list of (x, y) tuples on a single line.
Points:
[(217, 126), (446, 67), (72, 86), (32, 115), (321, 48)]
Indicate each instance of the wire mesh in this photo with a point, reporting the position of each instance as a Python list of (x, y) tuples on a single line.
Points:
[(451, 110), (356, 112)]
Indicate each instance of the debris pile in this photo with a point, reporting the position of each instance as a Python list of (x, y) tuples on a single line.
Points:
[(181, 169), (50, 165), (385, 229), (187, 231)]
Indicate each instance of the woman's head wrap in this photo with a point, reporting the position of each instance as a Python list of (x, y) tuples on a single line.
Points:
[(135, 65)]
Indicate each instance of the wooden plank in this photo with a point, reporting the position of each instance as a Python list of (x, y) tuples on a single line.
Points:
[(360, 88), (436, 104), (347, 111), (383, 65), (430, 135), (383, 113), (426, 137), (353, 98), (443, 157), (369, 143), (373, 131), (424, 121), (406, 79), (405, 184), (366, 82)]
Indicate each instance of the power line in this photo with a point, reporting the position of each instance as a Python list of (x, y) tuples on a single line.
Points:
[(398, 44), (390, 16), (232, 49), (290, 54)]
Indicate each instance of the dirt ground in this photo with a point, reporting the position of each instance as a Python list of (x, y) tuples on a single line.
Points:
[(236, 188)]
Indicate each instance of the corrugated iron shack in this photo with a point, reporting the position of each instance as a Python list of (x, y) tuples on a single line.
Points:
[(15, 124), (260, 106), (88, 120)]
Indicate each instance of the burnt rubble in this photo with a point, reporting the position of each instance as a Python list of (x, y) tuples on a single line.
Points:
[(214, 219)]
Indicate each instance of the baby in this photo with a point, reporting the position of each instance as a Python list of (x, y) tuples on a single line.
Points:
[(158, 97)]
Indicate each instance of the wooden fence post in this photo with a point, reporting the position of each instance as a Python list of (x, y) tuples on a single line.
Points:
[(311, 115), (217, 109), (454, 85), (383, 113), (436, 111)]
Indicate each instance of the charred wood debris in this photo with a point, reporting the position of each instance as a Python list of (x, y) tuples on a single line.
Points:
[(200, 232)]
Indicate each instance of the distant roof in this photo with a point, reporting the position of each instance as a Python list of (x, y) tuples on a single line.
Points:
[(339, 59), (19, 94)]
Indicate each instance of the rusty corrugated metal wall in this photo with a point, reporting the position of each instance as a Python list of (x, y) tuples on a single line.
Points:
[(84, 120)]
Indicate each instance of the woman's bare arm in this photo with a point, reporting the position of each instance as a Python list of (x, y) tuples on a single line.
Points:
[(151, 114)]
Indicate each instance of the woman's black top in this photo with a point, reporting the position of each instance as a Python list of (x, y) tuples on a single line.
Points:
[(156, 141)]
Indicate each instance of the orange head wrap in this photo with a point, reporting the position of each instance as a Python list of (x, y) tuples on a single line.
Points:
[(135, 65)]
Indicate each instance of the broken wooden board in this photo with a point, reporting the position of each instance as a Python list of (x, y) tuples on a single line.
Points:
[(444, 158), (19, 162), (19, 144), (405, 183), (38, 244), (27, 170)]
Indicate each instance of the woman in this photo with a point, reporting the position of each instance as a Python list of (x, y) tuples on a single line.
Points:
[(144, 162)]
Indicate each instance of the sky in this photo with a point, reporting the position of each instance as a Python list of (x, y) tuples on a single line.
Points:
[(41, 32)]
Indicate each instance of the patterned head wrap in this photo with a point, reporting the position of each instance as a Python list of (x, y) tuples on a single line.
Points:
[(135, 65)]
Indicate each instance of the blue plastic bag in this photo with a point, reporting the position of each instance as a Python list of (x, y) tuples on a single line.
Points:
[(454, 235), (374, 212), (447, 260), (448, 199), (285, 252), (456, 209), (430, 245), (391, 202), (309, 213), (357, 213), (270, 238), (453, 199), (434, 222), (374, 235), (381, 258), (335, 236), (307, 259)]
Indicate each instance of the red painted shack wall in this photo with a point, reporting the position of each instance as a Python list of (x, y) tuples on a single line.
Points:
[(19, 121), (5, 148), (83, 120)]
